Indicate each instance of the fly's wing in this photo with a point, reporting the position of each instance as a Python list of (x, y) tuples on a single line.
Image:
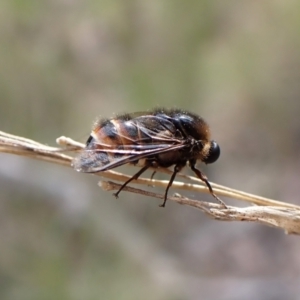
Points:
[(154, 136), (156, 129), (93, 161)]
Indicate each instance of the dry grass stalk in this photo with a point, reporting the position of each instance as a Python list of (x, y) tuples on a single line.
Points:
[(263, 210)]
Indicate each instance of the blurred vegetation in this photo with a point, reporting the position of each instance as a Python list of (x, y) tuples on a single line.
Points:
[(63, 63)]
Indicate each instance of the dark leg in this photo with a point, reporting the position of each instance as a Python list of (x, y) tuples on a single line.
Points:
[(152, 175), (135, 176), (204, 179), (176, 170)]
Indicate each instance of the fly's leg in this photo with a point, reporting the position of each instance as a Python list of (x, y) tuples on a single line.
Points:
[(201, 176), (177, 169), (152, 175), (134, 177)]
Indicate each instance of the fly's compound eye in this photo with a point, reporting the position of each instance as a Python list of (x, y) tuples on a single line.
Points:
[(213, 154)]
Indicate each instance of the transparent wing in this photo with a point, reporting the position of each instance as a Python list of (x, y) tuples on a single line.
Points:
[(155, 135), (96, 160)]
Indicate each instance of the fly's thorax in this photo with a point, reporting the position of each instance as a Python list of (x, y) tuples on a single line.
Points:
[(191, 125), (168, 159)]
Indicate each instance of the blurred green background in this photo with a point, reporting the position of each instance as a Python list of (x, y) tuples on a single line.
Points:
[(65, 62)]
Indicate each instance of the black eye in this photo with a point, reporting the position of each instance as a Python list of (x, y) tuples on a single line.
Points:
[(213, 154)]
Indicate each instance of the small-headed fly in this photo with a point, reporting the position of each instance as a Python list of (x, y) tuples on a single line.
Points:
[(160, 138)]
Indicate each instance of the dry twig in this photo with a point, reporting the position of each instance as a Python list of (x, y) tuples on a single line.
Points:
[(266, 211)]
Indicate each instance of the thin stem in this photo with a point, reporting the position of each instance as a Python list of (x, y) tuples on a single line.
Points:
[(269, 212)]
